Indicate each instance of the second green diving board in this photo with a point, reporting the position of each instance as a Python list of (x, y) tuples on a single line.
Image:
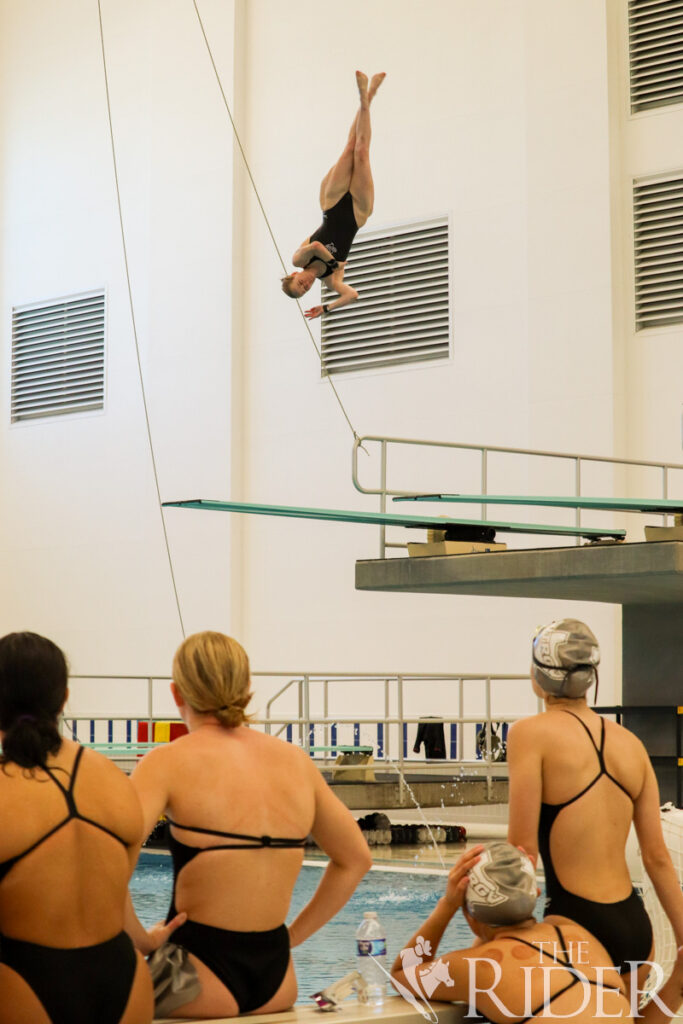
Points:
[(655, 506), (456, 529)]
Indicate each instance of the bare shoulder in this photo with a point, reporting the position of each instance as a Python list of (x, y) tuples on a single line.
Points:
[(281, 749), (525, 727), (159, 758), (625, 737), (106, 773)]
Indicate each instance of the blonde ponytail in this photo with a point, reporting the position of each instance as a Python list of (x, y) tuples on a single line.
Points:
[(211, 670)]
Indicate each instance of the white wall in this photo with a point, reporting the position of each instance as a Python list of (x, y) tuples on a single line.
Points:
[(499, 113), (646, 144), (83, 557), (490, 118)]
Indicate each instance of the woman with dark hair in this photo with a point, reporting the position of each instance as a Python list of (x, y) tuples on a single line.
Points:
[(71, 828), (577, 783), (240, 805)]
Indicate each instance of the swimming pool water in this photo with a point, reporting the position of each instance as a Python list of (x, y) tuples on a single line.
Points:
[(402, 901)]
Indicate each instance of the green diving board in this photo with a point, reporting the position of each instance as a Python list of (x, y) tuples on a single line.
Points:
[(133, 749), (655, 506), (456, 529), (340, 750)]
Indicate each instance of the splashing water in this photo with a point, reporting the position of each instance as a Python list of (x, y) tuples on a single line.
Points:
[(419, 808)]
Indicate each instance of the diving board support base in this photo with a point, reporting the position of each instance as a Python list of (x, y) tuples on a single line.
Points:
[(675, 532), (354, 766), (452, 547)]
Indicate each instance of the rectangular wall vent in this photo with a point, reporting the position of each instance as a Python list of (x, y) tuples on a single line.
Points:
[(403, 312), (658, 231), (58, 357), (655, 52)]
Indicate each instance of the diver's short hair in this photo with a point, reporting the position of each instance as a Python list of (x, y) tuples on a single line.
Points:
[(286, 283)]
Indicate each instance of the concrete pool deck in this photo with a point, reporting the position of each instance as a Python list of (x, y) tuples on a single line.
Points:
[(395, 1009)]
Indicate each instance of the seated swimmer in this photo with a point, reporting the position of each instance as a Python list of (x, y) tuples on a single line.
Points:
[(71, 829), (518, 969), (346, 199), (240, 805)]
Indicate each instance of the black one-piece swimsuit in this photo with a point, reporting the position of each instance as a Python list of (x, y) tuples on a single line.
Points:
[(337, 232), (83, 984), (251, 965), (623, 927)]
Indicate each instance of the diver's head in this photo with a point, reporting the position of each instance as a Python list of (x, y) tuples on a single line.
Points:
[(564, 659), (297, 284)]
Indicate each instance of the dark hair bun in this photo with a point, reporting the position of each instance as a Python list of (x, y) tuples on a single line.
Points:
[(33, 682)]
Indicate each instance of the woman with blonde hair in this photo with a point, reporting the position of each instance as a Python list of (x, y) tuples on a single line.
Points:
[(577, 782), (240, 806)]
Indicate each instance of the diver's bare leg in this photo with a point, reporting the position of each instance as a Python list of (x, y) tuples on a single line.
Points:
[(337, 181), (362, 186)]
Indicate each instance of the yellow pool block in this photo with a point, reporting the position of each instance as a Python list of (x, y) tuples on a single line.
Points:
[(395, 1009)]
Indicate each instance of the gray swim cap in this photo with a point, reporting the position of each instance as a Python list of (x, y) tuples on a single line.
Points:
[(502, 886), (565, 654)]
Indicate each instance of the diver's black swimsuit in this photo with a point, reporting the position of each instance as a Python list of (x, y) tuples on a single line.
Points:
[(336, 233), (577, 976), (251, 965), (623, 927), (75, 985)]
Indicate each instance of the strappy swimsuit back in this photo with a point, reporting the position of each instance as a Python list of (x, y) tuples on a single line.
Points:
[(75, 985), (72, 815), (561, 961), (251, 965), (623, 927)]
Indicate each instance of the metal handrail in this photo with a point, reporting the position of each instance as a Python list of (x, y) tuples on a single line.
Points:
[(305, 722), (383, 491)]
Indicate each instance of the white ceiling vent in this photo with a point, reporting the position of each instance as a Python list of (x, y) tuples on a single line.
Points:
[(656, 52), (403, 313), (58, 357), (658, 232)]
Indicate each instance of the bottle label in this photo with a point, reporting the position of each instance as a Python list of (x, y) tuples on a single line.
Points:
[(372, 947)]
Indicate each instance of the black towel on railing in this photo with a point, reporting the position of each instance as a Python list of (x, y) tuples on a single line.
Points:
[(430, 732)]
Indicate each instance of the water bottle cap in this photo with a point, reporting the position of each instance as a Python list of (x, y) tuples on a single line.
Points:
[(370, 913)]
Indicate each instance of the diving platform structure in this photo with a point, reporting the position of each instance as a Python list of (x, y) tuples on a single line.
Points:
[(645, 578)]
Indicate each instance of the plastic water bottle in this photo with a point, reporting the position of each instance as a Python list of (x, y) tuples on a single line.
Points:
[(371, 946)]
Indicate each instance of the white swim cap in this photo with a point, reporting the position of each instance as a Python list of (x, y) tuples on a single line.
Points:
[(502, 886), (565, 655)]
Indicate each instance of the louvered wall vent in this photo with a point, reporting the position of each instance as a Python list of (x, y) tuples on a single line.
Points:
[(656, 52), (58, 357), (658, 229), (403, 312)]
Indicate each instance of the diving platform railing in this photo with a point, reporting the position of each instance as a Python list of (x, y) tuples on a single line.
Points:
[(474, 742), (477, 477)]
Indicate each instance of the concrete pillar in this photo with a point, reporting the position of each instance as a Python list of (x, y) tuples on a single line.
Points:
[(653, 675)]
